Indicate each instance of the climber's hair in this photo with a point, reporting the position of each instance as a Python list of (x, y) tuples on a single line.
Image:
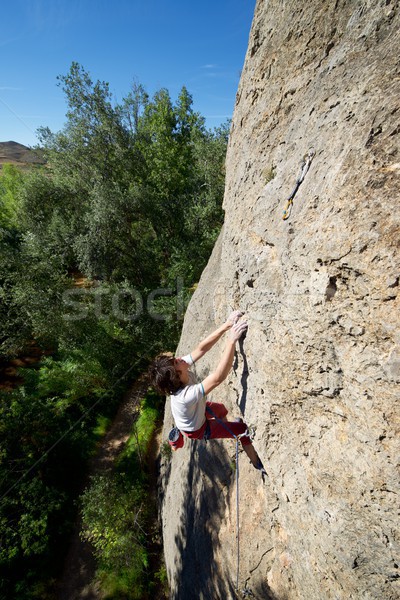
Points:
[(163, 375)]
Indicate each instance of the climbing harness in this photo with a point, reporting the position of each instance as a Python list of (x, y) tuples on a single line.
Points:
[(304, 166), (207, 432)]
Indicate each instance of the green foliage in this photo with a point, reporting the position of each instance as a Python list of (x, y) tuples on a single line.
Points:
[(116, 513), (132, 461), (148, 176), (46, 435), (126, 583), (11, 181), (102, 425), (116, 237), (114, 516), (166, 450), (78, 376), (129, 202), (112, 522)]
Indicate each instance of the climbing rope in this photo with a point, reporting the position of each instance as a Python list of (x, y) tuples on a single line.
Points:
[(304, 166), (237, 439), (250, 432), (237, 515)]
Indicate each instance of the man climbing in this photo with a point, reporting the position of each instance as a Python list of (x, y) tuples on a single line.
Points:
[(194, 416)]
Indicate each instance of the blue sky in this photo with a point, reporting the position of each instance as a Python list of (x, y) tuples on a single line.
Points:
[(157, 43)]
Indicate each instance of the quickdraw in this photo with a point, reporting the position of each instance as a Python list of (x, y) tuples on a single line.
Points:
[(305, 165)]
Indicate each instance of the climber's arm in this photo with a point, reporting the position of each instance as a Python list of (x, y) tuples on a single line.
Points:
[(208, 342), (225, 364)]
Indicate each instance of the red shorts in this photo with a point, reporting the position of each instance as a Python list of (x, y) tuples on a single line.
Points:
[(218, 430)]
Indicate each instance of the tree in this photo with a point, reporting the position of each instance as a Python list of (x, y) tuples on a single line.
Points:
[(130, 197), (92, 145), (11, 182)]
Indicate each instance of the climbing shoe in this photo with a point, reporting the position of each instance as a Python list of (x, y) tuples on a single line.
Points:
[(260, 467)]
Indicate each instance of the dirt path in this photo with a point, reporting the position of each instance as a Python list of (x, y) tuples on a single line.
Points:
[(79, 568)]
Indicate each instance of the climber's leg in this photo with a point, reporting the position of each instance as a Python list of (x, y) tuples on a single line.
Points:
[(219, 411), (229, 429), (251, 453)]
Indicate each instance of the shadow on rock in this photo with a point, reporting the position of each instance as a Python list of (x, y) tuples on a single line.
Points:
[(197, 539), (244, 376), (260, 591)]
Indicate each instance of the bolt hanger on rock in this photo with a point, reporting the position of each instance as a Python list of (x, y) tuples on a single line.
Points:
[(304, 167)]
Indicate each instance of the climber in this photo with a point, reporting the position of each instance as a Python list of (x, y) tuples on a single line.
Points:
[(196, 417)]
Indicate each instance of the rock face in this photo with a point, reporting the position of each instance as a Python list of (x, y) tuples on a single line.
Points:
[(318, 372)]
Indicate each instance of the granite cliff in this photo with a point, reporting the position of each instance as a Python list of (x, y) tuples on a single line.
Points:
[(318, 372)]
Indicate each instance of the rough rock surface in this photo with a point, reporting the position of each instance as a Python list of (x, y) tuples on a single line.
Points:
[(318, 372)]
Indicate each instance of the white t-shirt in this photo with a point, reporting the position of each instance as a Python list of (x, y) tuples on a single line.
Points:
[(188, 404)]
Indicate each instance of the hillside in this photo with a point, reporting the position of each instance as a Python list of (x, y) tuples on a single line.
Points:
[(18, 154), (318, 372)]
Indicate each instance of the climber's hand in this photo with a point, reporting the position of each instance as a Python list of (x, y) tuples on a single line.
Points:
[(238, 330), (233, 318)]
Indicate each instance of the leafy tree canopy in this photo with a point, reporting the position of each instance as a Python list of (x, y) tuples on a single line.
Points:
[(99, 249)]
